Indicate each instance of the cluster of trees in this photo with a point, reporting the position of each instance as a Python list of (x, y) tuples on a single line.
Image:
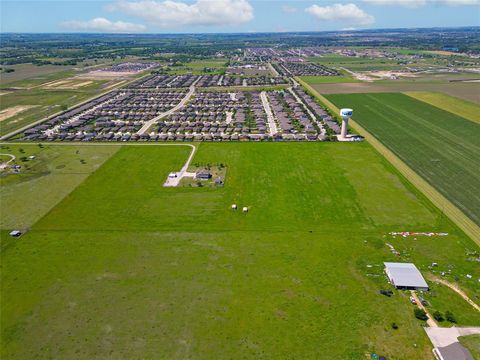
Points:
[(437, 315)]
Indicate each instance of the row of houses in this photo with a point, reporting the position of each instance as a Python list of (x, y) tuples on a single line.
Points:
[(320, 114), (178, 137)]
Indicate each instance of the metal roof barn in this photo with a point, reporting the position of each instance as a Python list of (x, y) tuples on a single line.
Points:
[(405, 276)]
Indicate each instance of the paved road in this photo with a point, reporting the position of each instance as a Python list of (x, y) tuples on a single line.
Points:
[(174, 181), (441, 337), (5, 164), (312, 116), (149, 123), (272, 70), (271, 120)]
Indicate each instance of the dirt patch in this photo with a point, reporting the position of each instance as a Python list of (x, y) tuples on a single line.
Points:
[(106, 75), (67, 84), (14, 110), (391, 74)]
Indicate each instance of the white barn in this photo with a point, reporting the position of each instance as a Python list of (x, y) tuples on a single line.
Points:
[(405, 276)]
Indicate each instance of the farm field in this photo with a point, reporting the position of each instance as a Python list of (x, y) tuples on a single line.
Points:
[(463, 108), (29, 74), (327, 79), (354, 63), (124, 268), (199, 67), (440, 146), (466, 91), (42, 102)]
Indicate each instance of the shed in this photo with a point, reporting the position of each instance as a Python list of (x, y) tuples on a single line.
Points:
[(405, 276)]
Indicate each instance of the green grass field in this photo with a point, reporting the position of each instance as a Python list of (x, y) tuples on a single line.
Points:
[(443, 299), (199, 67), (472, 343), (55, 167), (124, 268), (440, 146)]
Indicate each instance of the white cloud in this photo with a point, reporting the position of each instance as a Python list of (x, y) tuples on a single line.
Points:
[(404, 3), (346, 13), (289, 9), (419, 3), (103, 25), (175, 14), (458, 2)]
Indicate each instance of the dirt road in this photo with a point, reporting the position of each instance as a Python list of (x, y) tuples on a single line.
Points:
[(430, 321), (455, 288)]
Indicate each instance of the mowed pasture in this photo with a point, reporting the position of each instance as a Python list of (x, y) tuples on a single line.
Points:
[(46, 180), (440, 146), (124, 268)]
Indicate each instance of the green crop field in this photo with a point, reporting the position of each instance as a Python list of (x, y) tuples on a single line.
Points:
[(463, 108), (463, 90), (124, 268), (440, 146)]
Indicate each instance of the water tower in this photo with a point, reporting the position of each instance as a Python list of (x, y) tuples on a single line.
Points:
[(345, 114)]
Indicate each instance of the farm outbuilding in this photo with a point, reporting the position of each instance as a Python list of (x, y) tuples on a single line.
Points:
[(405, 276)]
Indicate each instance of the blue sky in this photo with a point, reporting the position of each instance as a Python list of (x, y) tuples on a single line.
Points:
[(187, 16)]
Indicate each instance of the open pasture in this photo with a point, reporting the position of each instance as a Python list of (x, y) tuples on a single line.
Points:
[(45, 180), (124, 268), (440, 146)]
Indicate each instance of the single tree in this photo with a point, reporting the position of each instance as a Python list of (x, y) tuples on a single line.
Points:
[(450, 317), (420, 314), (437, 315)]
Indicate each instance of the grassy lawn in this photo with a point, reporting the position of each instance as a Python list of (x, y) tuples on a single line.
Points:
[(440, 146), (443, 299), (463, 108), (45, 180), (124, 268), (472, 343)]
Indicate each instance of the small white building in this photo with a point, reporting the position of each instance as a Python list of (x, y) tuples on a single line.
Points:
[(405, 276)]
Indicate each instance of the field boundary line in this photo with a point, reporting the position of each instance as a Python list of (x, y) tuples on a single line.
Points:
[(441, 202), (413, 94)]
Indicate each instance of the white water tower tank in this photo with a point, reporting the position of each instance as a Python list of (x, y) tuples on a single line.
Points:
[(345, 114)]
